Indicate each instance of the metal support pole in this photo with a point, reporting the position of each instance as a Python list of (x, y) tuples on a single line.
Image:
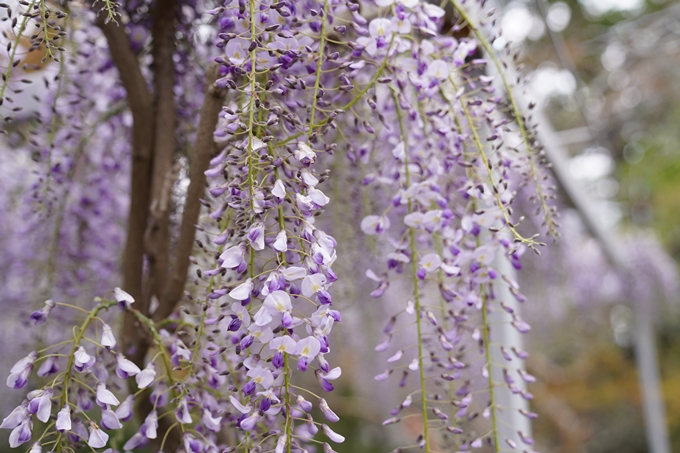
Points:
[(508, 401)]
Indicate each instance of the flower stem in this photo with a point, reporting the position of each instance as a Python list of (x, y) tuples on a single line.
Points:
[(72, 356), (489, 365), (550, 223), (487, 166), (416, 291)]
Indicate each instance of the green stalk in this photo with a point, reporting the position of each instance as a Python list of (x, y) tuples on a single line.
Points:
[(485, 301), (317, 81), (487, 166), (71, 360), (487, 354), (518, 115), (414, 250), (349, 105), (445, 322)]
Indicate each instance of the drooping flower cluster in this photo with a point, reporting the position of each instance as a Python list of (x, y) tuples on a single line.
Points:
[(449, 178), (383, 85), (77, 393)]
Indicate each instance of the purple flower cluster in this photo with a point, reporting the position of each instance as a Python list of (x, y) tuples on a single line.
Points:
[(308, 82)]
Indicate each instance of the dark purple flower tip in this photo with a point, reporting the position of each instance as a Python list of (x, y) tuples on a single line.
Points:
[(249, 388), (234, 325), (324, 297), (286, 320), (38, 317), (335, 314), (265, 404), (326, 385), (278, 360), (380, 290), (247, 342), (402, 381), (302, 364)]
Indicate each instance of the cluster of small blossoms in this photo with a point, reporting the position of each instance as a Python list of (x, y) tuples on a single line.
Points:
[(443, 159), (383, 83), (268, 267), (77, 402)]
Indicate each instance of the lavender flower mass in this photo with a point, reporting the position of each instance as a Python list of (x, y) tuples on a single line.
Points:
[(276, 226)]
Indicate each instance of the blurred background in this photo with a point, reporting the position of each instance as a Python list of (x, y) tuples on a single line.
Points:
[(604, 76)]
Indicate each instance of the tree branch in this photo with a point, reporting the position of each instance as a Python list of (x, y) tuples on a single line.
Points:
[(200, 159), (141, 107), (157, 240)]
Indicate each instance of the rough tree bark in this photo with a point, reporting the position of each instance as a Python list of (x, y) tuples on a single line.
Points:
[(141, 107), (153, 148)]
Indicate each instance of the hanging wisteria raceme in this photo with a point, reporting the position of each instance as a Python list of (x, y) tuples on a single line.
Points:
[(445, 165), (297, 85)]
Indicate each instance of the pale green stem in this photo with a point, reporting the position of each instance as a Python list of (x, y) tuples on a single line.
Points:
[(485, 308), (319, 64), (349, 105), (487, 166), (71, 360), (518, 114), (489, 369), (416, 290)]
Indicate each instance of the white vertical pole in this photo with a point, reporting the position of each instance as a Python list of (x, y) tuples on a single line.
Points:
[(650, 386), (511, 422)]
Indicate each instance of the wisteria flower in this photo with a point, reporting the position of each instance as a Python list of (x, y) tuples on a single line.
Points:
[(465, 49), (279, 190), (275, 302), (98, 438), (105, 397), (182, 412), (261, 376), (150, 426), (327, 411), (256, 236), (18, 374), (124, 411), (124, 299), (15, 418), (125, 368), (281, 345), (307, 348), (110, 420), (281, 242), (108, 340), (82, 360), (249, 423), (305, 154), (374, 224), (40, 316), (40, 403), (380, 31), (64, 419), (242, 291), (429, 263), (146, 377), (233, 257), (22, 433)]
